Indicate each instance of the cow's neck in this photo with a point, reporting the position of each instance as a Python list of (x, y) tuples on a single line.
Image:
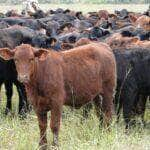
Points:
[(31, 87), (37, 79)]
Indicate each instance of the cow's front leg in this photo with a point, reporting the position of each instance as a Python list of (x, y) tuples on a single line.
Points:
[(55, 122), (42, 119)]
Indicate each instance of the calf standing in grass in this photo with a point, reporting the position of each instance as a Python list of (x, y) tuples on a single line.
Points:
[(71, 78)]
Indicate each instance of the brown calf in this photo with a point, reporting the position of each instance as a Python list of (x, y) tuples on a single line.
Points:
[(117, 41), (82, 41), (73, 78), (141, 22), (103, 14)]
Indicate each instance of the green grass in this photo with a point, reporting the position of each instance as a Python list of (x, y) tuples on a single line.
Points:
[(16, 134)]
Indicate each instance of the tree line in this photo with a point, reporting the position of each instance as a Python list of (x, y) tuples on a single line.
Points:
[(81, 1)]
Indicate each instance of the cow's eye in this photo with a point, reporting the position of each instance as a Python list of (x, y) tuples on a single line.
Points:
[(115, 43), (147, 24), (16, 61)]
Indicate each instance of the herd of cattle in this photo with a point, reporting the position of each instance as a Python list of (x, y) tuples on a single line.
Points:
[(63, 57)]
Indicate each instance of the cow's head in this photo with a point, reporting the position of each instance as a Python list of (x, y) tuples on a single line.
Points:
[(45, 42), (118, 41), (142, 22), (25, 58)]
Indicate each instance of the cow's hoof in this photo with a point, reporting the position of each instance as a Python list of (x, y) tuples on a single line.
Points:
[(7, 111), (55, 147), (43, 147), (22, 115)]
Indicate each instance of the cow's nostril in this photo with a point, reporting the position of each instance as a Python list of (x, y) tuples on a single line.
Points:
[(23, 78)]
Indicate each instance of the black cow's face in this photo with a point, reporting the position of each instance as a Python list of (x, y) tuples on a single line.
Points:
[(105, 24), (39, 41), (42, 41), (96, 32)]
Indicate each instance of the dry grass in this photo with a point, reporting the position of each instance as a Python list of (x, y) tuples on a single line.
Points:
[(16, 134), (84, 7)]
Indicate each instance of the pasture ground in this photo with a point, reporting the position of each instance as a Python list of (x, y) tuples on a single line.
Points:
[(16, 134), (75, 134), (83, 7)]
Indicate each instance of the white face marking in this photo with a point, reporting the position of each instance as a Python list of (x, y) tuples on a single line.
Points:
[(138, 26), (43, 31)]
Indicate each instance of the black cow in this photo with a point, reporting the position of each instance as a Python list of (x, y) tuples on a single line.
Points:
[(124, 60), (26, 22), (11, 37), (143, 35), (3, 25), (137, 83), (122, 14), (8, 76), (44, 41), (97, 32)]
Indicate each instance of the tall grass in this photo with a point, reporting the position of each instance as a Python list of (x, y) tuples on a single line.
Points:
[(17, 134)]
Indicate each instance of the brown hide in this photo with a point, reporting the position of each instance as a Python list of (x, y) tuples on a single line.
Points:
[(117, 41), (143, 22)]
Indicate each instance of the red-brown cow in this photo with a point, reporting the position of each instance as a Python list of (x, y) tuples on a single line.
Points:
[(141, 22), (117, 41), (72, 78)]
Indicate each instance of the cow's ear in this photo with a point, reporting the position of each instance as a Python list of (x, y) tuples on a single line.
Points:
[(6, 53), (41, 54), (52, 41), (132, 18), (134, 39)]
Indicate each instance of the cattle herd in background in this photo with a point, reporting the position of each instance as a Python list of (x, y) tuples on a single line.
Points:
[(127, 34)]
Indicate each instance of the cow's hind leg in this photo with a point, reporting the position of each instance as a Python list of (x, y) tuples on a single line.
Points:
[(141, 106), (128, 106), (9, 92), (0, 90), (107, 103), (86, 110), (98, 108), (119, 110)]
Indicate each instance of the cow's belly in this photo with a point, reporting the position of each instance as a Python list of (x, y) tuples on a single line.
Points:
[(78, 101), (80, 96)]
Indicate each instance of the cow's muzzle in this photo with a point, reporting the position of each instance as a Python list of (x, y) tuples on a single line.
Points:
[(23, 78)]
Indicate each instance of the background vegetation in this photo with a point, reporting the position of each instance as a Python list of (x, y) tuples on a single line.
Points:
[(82, 1)]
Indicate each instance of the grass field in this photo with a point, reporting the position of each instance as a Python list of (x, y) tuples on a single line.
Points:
[(16, 134), (83, 7)]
